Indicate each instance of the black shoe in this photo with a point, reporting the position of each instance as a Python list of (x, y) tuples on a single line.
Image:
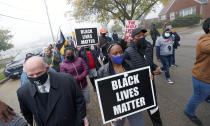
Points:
[(208, 99), (194, 119)]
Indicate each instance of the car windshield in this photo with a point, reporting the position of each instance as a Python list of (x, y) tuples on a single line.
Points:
[(20, 56)]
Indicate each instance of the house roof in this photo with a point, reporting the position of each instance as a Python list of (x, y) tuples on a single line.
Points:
[(201, 1), (166, 8)]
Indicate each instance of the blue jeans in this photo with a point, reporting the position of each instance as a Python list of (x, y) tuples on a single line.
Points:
[(134, 120), (200, 93), (166, 61)]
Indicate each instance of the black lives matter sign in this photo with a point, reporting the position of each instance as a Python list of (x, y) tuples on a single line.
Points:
[(125, 94), (86, 36)]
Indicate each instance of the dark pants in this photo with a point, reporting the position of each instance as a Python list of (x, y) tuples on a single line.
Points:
[(153, 44), (173, 58), (92, 80), (166, 62), (154, 112)]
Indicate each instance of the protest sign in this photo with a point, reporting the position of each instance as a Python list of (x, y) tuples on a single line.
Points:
[(86, 36), (125, 94), (129, 27)]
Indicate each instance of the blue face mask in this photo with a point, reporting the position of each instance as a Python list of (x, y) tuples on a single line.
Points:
[(117, 59)]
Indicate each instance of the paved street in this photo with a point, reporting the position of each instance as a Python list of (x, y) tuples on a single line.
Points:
[(171, 98)]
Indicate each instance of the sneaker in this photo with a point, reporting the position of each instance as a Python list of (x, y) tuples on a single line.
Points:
[(174, 65), (170, 81), (194, 119), (207, 100)]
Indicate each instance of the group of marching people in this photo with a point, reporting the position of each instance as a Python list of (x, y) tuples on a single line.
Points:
[(55, 91)]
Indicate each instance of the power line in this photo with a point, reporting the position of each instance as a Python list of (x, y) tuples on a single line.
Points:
[(21, 19), (46, 7), (9, 5)]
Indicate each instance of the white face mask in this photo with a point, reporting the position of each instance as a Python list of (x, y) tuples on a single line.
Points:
[(167, 34)]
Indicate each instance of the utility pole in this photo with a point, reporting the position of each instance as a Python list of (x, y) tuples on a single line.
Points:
[(49, 20)]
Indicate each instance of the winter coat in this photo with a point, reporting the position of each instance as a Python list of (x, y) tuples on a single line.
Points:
[(140, 57), (86, 58), (55, 63), (78, 69)]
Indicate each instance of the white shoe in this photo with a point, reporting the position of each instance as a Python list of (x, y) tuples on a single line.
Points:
[(170, 81)]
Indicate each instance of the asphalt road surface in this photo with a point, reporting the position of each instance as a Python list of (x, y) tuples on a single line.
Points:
[(172, 99)]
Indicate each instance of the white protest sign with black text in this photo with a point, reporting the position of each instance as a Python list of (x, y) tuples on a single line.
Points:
[(86, 36), (125, 94), (130, 25)]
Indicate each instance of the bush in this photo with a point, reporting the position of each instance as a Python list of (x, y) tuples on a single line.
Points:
[(185, 21), (181, 21)]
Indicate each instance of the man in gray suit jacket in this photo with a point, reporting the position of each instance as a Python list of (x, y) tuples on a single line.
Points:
[(53, 99)]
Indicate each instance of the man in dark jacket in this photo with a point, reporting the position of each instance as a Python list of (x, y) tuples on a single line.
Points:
[(154, 34), (103, 43), (52, 99), (115, 36), (140, 53), (89, 55), (175, 46)]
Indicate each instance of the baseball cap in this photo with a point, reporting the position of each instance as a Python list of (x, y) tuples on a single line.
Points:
[(137, 31)]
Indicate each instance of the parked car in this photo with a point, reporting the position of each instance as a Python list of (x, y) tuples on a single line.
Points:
[(15, 68)]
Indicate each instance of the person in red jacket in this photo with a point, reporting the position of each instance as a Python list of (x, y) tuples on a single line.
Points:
[(77, 67)]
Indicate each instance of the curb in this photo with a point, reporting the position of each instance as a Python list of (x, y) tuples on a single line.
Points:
[(4, 80)]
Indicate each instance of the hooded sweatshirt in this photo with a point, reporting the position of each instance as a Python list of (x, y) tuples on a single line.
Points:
[(201, 68), (164, 45)]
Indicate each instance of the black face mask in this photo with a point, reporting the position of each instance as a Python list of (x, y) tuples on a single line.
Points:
[(39, 80), (87, 49), (70, 58), (140, 42)]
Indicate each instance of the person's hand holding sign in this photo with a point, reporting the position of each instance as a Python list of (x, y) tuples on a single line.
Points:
[(151, 76), (157, 71), (6, 112)]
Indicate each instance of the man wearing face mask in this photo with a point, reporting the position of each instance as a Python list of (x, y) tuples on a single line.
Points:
[(50, 98), (140, 53), (89, 55), (164, 50), (104, 41)]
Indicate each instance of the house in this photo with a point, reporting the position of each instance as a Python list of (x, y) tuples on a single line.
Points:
[(181, 8)]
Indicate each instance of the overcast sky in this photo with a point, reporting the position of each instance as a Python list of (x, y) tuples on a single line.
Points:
[(37, 28)]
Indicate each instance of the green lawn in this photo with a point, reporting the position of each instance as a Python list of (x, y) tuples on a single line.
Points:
[(2, 66), (2, 76)]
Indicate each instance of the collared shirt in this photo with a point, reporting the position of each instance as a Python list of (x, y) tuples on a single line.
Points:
[(45, 88)]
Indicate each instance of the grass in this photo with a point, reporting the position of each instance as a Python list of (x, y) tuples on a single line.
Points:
[(2, 66), (2, 76), (4, 62), (7, 59)]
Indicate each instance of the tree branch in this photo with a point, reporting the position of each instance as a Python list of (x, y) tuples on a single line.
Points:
[(124, 12), (146, 10)]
